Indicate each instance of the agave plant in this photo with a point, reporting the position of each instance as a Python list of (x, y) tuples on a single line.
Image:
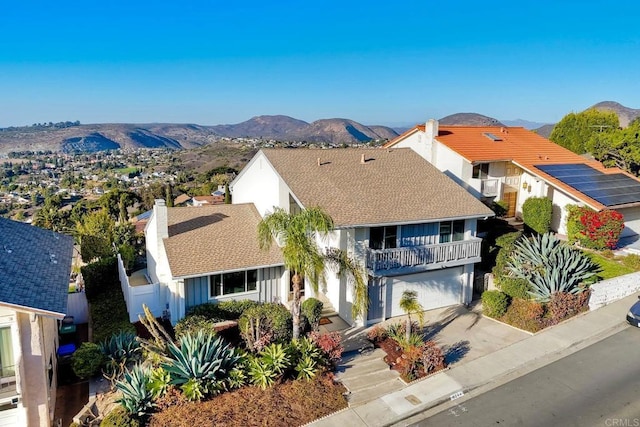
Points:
[(137, 398), (201, 358), (121, 349), (276, 358), (306, 368), (550, 266), (261, 374)]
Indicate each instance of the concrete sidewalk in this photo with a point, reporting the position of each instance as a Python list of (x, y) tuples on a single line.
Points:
[(488, 371)]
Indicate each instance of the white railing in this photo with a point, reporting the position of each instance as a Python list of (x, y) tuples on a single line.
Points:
[(489, 187), (416, 256)]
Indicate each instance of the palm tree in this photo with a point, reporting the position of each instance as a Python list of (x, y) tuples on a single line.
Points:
[(410, 305), (295, 234)]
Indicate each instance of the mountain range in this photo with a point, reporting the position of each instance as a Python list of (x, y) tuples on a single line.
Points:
[(96, 137)]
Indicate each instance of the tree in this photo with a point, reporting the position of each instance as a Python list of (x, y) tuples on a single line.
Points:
[(410, 305), (575, 129), (618, 147), (296, 234)]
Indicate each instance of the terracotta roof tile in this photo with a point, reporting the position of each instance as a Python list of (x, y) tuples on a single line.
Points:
[(518, 145), (215, 238), (390, 187)]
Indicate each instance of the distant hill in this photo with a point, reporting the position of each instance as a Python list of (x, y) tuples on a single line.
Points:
[(289, 129), (98, 137), (469, 119), (545, 131), (625, 114)]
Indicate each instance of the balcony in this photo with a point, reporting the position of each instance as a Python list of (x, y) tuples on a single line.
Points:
[(490, 187), (384, 262)]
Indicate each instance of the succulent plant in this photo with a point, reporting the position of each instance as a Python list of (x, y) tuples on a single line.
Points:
[(550, 266), (136, 398)]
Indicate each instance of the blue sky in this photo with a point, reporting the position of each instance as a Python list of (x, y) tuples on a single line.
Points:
[(392, 63)]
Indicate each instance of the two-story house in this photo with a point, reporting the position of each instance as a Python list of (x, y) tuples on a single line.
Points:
[(35, 265), (512, 164), (409, 225)]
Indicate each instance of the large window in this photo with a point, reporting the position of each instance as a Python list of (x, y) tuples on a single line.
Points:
[(7, 364), (481, 171), (383, 237), (233, 283), (451, 231)]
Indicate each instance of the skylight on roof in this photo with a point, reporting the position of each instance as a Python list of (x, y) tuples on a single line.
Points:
[(492, 136)]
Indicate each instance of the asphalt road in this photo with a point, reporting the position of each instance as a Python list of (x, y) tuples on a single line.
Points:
[(596, 386)]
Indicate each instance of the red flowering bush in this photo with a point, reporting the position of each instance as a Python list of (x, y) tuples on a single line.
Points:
[(330, 344), (595, 230)]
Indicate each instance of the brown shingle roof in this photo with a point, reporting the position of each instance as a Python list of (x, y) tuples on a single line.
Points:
[(215, 238), (392, 186), (519, 145)]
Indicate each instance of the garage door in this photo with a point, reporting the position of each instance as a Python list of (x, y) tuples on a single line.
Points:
[(435, 289)]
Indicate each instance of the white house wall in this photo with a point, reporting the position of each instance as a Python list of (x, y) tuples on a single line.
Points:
[(17, 416), (418, 143), (262, 186), (631, 221)]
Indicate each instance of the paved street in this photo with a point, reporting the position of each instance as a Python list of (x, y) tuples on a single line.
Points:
[(597, 386)]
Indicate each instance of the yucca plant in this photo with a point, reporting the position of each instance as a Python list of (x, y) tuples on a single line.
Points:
[(550, 266), (306, 348), (202, 358), (136, 398)]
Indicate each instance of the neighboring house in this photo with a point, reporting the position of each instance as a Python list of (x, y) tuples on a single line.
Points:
[(214, 199), (408, 224), (512, 164), (35, 266), (210, 254), (181, 200)]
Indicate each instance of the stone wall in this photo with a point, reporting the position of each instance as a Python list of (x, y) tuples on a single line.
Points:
[(606, 291)]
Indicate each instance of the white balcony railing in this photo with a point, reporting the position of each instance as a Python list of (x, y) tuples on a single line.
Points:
[(430, 256), (489, 187)]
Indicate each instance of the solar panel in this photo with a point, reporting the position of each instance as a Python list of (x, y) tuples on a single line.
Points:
[(608, 189)]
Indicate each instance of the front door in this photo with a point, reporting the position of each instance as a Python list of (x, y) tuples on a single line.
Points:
[(511, 200), (377, 290)]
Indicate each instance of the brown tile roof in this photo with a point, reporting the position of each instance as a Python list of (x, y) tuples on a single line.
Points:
[(209, 199), (518, 145), (215, 238), (182, 198), (391, 187)]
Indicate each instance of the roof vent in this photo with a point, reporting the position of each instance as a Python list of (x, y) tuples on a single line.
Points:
[(363, 160), (492, 136)]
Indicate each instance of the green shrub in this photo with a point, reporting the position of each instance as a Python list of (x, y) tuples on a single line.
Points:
[(87, 360), (500, 208), (119, 417), (574, 226), (194, 323), (525, 314), (494, 303), (514, 287), (109, 315), (224, 310), (264, 324), (100, 277), (232, 309), (537, 213), (632, 261), (311, 312)]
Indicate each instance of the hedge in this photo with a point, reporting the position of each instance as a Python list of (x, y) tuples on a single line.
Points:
[(494, 303), (537, 213)]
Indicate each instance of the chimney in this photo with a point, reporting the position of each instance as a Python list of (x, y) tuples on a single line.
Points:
[(162, 220), (431, 129), (363, 160)]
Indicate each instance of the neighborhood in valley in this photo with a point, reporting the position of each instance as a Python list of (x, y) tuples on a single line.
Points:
[(165, 283)]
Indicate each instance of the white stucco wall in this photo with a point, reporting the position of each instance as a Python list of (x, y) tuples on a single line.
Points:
[(18, 416), (419, 143), (631, 221), (452, 164), (258, 183)]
